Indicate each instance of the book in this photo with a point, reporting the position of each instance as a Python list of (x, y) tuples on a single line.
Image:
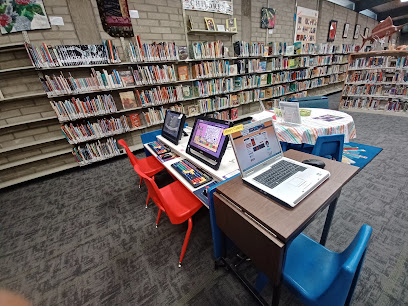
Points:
[(233, 69), (183, 73), (193, 110), (264, 79), (135, 120), (187, 93), (183, 53), (234, 113), (128, 99), (127, 78)]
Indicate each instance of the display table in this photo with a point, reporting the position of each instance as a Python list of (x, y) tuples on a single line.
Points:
[(320, 122)]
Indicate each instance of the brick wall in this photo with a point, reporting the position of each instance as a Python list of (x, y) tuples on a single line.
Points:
[(160, 20)]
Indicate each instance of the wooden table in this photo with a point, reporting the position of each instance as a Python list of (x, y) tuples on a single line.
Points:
[(263, 229)]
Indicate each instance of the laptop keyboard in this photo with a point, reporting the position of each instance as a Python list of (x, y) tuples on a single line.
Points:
[(278, 173)]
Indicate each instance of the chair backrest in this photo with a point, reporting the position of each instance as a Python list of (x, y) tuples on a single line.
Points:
[(350, 262), (132, 157), (312, 102), (329, 145), (149, 137)]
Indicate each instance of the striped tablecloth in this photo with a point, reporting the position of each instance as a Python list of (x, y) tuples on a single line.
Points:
[(315, 125)]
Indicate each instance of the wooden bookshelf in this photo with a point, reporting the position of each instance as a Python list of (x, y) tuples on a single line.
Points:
[(375, 82)]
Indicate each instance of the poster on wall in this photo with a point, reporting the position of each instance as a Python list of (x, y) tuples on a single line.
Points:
[(306, 25), (267, 18), (22, 15), (115, 17), (214, 6)]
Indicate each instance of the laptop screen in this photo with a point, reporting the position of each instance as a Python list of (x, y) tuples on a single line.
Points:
[(255, 144)]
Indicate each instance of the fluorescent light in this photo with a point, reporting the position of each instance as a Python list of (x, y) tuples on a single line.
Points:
[(404, 0)]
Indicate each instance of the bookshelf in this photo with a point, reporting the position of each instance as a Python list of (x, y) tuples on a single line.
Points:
[(376, 82), (208, 32), (246, 106)]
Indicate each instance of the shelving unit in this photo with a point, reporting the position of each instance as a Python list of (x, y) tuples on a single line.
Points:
[(377, 82), (208, 32)]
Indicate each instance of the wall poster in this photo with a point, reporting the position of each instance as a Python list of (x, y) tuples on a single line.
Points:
[(22, 15), (214, 6), (115, 17), (306, 25)]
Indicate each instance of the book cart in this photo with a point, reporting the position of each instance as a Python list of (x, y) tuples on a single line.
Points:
[(377, 81)]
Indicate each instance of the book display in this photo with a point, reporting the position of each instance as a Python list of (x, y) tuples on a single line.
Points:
[(377, 81)]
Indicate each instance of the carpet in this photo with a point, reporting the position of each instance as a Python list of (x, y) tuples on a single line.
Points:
[(358, 154)]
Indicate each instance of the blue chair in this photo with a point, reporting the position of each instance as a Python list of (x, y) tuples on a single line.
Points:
[(312, 102), (330, 146), (149, 137), (319, 276)]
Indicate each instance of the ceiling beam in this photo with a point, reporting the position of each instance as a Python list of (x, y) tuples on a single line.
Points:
[(367, 4), (400, 21), (396, 12)]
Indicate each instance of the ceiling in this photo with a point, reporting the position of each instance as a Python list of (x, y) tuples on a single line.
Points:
[(383, 8)]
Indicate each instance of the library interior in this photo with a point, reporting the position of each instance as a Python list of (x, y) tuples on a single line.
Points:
[(203, 152)]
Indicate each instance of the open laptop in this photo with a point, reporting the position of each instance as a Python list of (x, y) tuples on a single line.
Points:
[(263, 166)]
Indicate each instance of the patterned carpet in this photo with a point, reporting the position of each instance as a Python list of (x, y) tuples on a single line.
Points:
[(84, 237)]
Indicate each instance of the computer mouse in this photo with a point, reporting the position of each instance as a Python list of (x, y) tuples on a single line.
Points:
[(314, 162), (166, 155)]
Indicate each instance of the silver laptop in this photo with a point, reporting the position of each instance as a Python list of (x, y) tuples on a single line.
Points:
[(263, 166)]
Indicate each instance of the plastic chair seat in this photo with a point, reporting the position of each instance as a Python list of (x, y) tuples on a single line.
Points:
[(150, 165), (315, 269), (180, 210)]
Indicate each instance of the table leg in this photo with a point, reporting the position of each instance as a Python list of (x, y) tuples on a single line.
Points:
[(328, 221)]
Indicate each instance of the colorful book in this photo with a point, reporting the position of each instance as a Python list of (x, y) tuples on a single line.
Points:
[(183, 73), (127, 78), (128, 99), (193, 110), (183, 52), (234, 113), (135, 120)]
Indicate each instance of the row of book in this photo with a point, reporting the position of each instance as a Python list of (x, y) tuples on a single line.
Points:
[(162, 51), (375, 104), (274, 103), (370, 62), (76, 108), (90, 131), (232, 114), (205, 49), (44, 56), (217, 103), (375, 89), (380, 76), (96, 151)]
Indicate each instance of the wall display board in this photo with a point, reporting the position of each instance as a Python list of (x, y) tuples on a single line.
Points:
[(306, 25), (215, 6)]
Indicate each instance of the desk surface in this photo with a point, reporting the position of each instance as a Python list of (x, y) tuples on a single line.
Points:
[(282, 221)]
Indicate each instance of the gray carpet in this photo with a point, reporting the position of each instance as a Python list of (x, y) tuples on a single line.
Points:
[(84, 237)]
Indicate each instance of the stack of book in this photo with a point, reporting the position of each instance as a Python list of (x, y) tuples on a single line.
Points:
[(159, 95), (97, 151), (258, 49), (90, 131), (44, 56), (154, 116), (76, 108), (162, 51), (210, 69), (277, 48)]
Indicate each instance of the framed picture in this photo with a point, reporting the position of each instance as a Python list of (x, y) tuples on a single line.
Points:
[(345, 30), (231, 24), (366, 31), (332, 30), (210, 24), (267, 18), (356, 31)]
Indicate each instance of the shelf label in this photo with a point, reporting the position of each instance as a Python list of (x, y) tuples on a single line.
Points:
[(233, 129)]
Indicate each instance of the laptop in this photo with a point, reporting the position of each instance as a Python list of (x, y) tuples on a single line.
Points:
[(263, 166)]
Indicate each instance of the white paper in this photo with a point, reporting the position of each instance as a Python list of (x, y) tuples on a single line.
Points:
[(56, 20), (220, 27), (270, 31), (134, 14)]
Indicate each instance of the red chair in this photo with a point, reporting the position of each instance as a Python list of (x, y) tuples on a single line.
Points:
[(176, 201), (149, 165)]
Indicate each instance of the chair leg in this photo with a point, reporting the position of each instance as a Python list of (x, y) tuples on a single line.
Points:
[(158, 217), (183, 249), (147, 200), (140, 182)]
